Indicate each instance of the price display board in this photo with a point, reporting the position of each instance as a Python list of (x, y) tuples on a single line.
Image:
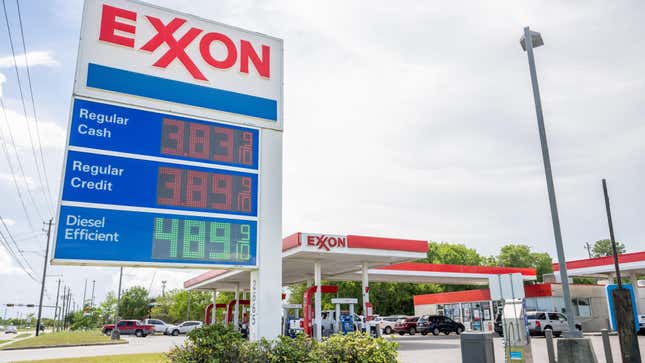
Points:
[(154, 238), (105, 126)]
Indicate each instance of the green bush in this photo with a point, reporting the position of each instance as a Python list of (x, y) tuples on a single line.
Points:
[(356, 347), (221, 344)]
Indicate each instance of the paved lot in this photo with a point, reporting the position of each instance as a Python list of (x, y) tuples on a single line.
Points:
[(413, 349), (151, 344), (446, 349)]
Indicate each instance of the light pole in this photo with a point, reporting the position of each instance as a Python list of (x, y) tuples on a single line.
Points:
[(536, 41)]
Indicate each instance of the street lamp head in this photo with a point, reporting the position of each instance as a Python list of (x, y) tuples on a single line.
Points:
[(536, 39)]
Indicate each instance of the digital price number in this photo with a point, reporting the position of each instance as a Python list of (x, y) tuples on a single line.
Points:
[(211, 241), (205, 190), (208, 142)]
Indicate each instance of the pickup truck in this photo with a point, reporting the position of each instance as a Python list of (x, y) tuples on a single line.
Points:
[(130, 327)]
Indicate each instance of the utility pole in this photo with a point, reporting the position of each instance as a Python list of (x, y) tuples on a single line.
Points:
[(188, 306), (92, 302), (84, 294), (115, 332), (588, 248), (42, 285), (56, 308), (163, 288), (68, 304)]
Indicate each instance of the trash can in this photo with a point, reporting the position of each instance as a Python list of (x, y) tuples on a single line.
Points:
[(477, 347)]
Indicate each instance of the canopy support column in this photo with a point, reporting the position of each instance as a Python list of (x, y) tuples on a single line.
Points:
[(236, 316), (214, 310), (366, 289), (318, 300)]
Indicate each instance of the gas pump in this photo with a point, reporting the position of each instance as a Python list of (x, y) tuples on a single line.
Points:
[(244, 307), (307, 306), (291, 323), (208, 313), (344, 323)]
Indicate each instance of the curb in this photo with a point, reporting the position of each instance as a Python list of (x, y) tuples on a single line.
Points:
[(64, 346)]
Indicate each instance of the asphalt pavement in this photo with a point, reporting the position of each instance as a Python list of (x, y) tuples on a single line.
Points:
[(447, 349), (150, 344), (412, 349)]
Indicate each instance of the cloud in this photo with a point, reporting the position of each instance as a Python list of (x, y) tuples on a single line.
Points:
[(52, 135), (7, 265), (35, 58), (3, 79)]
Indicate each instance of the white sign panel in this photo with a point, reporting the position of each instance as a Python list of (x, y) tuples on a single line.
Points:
[(507, 286), (174, 150), (178, 62)]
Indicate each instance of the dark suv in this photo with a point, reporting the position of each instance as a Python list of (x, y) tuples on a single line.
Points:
[(408, 325), (436, 324)]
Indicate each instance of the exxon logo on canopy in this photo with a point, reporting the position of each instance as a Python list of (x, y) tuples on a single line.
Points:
[(325, 242), (119, 26)]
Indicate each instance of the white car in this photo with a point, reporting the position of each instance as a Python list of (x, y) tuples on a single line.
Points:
[(159, 325), (539, 321), (11, 329), (387, 323), (183, 328)]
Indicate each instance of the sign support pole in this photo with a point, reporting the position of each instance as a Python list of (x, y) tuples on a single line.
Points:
[(622, 300)]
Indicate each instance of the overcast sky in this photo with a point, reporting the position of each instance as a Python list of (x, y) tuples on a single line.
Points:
[(414, 121)]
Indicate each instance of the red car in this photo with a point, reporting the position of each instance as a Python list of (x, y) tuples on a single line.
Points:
[(408, 325), (130, 327)]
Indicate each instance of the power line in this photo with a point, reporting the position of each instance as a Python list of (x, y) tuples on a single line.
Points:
[(5, 243), (14, 242), (22, 97), (22, 170), (33, 107)]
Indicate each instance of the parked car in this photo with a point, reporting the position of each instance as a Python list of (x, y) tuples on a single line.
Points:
[(183, 328), (130, 327), (641, 322), (539, 321), (436, 324), (11, 329), (159, 325), (408, 325), (387, 323)]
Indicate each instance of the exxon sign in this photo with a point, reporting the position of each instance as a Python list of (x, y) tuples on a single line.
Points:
[(201, 67), (324, 242)]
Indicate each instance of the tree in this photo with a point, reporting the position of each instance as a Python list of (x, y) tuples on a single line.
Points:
[(514, 255), (134, 303), (453, 253), (602, 248), (107, 309)]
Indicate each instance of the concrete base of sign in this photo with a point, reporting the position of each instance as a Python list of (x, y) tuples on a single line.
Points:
[(573, 350)]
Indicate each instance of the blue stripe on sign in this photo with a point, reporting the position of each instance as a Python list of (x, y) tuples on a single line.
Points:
[(137, 84)]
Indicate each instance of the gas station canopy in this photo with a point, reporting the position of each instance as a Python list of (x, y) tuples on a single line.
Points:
[(342, 257), (631, 264)]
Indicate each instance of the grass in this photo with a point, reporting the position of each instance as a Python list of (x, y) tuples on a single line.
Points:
[(126, 358), (63, 338), (22, 335), (4, 341)]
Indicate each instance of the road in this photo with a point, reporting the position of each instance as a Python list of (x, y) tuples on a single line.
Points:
[(412, 349), (151, 344)]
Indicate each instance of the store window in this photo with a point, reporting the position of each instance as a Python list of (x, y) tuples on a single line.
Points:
[(582, 306)]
